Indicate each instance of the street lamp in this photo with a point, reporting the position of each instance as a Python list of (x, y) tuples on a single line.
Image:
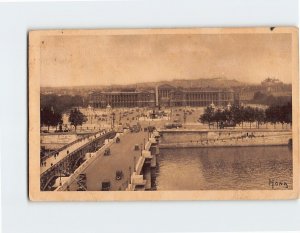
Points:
[(134, 164), (129, 175), (113, 120), (60, 183), (90, 113)]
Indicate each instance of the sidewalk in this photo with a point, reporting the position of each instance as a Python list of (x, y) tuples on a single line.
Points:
[(62, 154)]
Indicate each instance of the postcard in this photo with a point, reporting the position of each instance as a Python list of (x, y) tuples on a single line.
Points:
[(163, 114)]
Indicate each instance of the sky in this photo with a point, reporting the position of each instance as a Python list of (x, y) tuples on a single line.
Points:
[(68, 60)]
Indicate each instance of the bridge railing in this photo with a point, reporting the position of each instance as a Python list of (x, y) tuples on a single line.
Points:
[(75, 151), (140, 163), (52, 170), (82, 167), (69, 145)]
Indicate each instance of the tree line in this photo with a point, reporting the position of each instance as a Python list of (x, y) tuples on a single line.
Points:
[(53, 107), (61, 103), (238, 115), (49, 118)]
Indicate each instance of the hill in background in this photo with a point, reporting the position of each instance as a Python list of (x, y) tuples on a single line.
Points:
[(184, 83)]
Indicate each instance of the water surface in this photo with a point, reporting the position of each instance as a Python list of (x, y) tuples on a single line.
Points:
[(228, 168)]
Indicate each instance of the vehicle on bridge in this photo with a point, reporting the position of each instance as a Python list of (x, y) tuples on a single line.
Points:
[(119, 175), (107, 152), (136, 147), (105, 186)]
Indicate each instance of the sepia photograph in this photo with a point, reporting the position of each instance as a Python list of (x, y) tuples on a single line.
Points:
[(163, 114)]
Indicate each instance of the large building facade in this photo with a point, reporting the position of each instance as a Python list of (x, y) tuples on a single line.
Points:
[(163, 96), (121, 99), (169, 96)]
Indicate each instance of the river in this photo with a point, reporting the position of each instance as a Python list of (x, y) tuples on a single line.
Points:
[(228, 168)]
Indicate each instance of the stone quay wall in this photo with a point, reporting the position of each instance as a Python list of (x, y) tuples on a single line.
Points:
[(211, 138)]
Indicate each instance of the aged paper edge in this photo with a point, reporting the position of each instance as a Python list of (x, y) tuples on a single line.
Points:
[(34, 134)]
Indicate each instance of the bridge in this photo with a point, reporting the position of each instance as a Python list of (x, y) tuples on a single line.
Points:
[(144, 173), (64, 161)]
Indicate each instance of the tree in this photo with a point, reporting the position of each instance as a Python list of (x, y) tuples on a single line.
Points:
[(49, 117), (61, 103), (227, 116), (285, 115), (238, 114), (77, 118), (207, 116), (272, 114), (259, 116), (287, 109), (249, 115), (218, 117), (279, 113)]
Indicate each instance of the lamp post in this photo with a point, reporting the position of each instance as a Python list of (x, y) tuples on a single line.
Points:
[(149, 134), (129, 175), (41, 118), (113, 120), (60, 183), (134, 167)]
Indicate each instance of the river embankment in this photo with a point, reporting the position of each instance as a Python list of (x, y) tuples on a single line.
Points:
[(182, 138)]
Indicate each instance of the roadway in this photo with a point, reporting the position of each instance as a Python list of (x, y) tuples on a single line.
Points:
[(122, 157)]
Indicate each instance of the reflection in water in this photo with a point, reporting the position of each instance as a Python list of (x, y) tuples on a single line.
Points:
[(224, 168)]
